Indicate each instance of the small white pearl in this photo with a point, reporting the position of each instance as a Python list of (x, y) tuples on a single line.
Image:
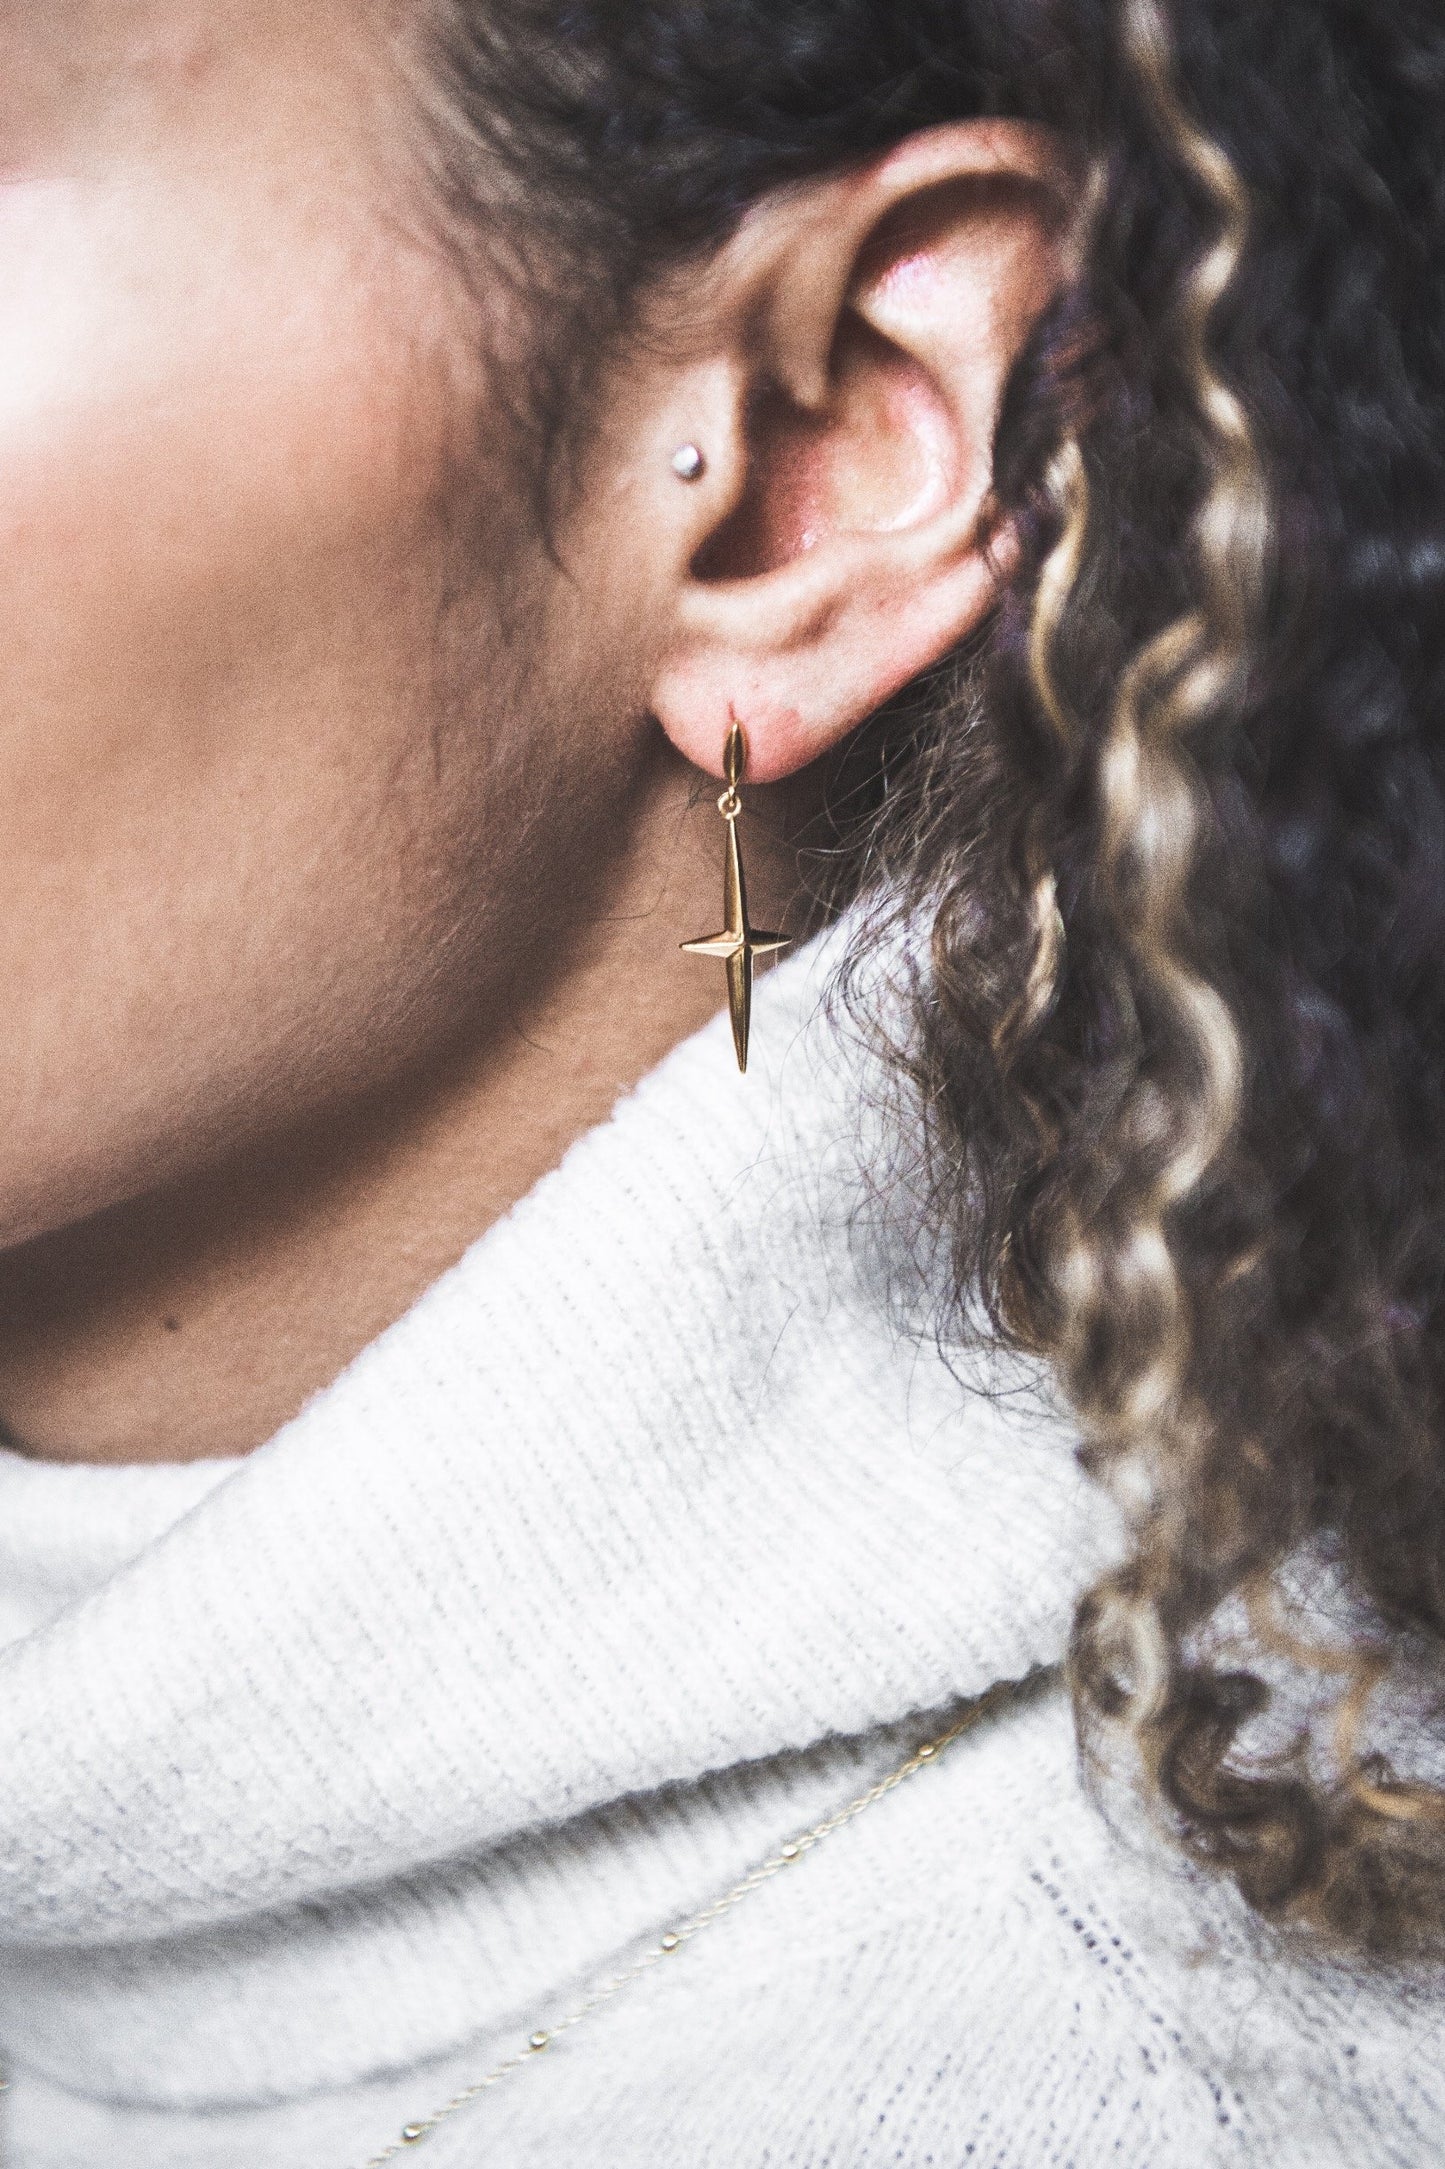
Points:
[(688, 464)]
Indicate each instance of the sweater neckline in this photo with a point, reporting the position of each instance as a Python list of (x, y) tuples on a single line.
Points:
[(657, 1481)]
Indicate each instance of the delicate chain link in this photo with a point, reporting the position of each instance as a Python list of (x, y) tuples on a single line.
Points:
[(677, 1938)]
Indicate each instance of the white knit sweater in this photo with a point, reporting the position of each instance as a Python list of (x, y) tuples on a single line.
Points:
[(647, 1538)]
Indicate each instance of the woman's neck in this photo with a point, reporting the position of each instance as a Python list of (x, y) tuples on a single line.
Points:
[(192, 1322)]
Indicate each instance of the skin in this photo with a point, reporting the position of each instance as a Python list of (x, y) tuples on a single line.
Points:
[(350, 835)]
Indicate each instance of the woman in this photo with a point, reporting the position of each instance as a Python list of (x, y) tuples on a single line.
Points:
[(584, 1667)]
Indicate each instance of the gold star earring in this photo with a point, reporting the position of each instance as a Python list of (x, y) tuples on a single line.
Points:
[(738, 942)]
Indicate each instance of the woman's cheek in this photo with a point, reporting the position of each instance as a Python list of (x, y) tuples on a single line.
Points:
[(221, 444)]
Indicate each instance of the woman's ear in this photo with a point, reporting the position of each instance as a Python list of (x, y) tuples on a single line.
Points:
[(845, 361)]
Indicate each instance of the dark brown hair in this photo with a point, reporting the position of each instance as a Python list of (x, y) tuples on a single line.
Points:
[(1176, 839)]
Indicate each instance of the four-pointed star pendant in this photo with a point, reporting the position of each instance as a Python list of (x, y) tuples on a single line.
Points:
[(737, 945)]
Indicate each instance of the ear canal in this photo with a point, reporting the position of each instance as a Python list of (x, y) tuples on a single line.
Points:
[(878, 458)]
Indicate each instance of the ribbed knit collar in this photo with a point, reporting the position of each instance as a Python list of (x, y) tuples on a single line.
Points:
[(655, 1483)]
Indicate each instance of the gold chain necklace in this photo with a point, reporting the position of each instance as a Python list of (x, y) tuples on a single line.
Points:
[(686, 1931)]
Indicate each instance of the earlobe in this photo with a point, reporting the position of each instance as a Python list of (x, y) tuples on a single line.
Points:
[(857, 545), (807, 653)]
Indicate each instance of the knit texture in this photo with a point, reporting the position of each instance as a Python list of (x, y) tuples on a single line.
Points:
[(659, 1528)]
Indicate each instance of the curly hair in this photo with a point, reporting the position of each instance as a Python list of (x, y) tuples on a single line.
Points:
[(1177, 836)]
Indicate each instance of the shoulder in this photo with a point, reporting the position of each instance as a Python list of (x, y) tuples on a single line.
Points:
[(978, 1969), (1091, 1998)]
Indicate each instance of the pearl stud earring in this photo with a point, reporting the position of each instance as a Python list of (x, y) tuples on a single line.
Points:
[(688, 463)]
